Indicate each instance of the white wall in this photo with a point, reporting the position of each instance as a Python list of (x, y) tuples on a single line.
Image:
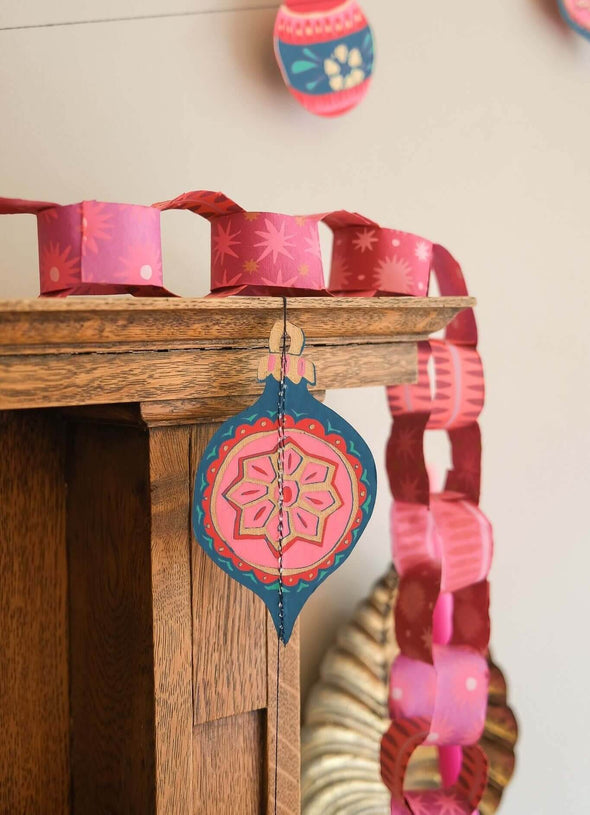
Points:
[(476, 133)]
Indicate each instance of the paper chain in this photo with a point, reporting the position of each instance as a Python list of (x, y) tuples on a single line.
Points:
[(95, 247), (442, 549)]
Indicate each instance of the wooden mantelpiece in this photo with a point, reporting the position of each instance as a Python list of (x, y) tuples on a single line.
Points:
[(134, 675)]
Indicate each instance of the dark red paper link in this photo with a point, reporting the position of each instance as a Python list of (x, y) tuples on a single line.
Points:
[(451, 283), (207, 203), (398, 744), (471, 616), (465, 475), (418, 592)]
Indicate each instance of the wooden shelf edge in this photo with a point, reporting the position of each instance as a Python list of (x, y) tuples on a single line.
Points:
[(123, 325), (212, 304)]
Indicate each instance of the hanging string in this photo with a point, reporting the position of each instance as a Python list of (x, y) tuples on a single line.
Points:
[(281, 412), (166, 15)]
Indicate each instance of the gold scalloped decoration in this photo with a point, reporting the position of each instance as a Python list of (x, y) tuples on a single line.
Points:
[(346, 715)]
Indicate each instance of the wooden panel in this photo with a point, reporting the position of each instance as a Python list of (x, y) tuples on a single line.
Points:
[(88, 324), (34, 707), (229, 766), (287, 780), (166, 414), (171, 588), (81, 379), (110, 611), (229, 630), (199, 411)]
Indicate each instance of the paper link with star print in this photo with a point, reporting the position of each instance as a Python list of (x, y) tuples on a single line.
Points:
[(94, 247), (257, 253), (328, 489), (371, 260), (418, 612), (399, 743)]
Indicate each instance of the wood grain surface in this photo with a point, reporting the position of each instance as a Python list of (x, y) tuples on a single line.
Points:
[(86, 379), (83, 324), (34, 707), (229, 766), (111, 653), (288, 796), (171, 606), (174, 413), (229, 630)]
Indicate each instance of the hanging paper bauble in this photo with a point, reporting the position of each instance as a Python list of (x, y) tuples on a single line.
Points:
[(325, 51), (577, 14), (283, 547)]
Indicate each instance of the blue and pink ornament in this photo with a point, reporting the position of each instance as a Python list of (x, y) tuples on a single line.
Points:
[(325, 51), (577, 15), (285, 488)]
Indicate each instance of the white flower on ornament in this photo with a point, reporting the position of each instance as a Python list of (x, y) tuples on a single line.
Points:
[(344, 68)]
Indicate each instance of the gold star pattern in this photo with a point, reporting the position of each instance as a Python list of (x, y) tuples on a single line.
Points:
[(303, 269), (251, 216), (300, 220), (250, 266)]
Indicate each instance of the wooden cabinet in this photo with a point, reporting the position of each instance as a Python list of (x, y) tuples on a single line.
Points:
[(134, 675)]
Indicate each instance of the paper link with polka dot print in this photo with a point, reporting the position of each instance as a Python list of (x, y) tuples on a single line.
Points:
[(328, 488), (94, 247)]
